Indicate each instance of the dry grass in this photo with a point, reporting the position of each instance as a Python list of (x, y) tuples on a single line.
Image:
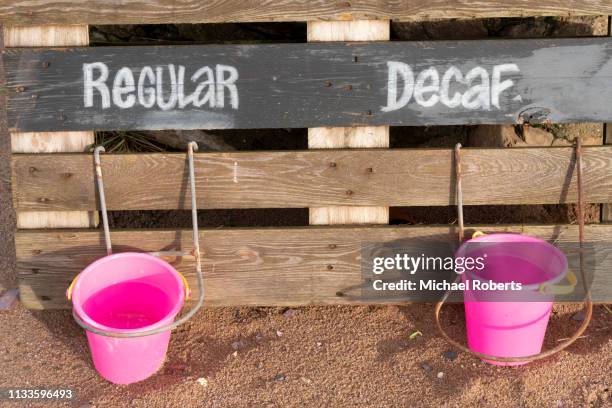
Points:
[(128, 142)]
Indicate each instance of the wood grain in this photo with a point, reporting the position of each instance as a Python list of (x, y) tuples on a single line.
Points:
[(315, 85), (606, 209), (346, 137), (195, 11), (358, 30), (47, 35), (273, 266), (311, 178), (56, 219), (51, 142), (606, 213), (47, 142)]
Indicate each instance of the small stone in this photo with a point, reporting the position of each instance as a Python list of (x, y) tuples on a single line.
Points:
[(279, 333), (319, 344), (450, 355), (280, 377), (237, 345), (289, 313), (426, 367), (235, 354), (202, 381), (440, 375), (579, 316), (306, 380)]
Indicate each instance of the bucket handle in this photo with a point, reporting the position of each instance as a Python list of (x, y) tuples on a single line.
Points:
[(588, 306), (191, 147), (548, 289), (588, 303)]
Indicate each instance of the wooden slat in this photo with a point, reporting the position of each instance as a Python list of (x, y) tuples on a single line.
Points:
[(311, 85), (357, 137), (275, 266), (606, 209), (56, 219), (47, 35), (50, 142), (314, 178), (196, 11)]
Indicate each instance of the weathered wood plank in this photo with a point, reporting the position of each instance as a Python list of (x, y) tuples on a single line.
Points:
[(310, 85), (300, 179), (51, 142), (292, 266), (47, 35), (195, 11), (56, 219), (606, 209), (346, 137)]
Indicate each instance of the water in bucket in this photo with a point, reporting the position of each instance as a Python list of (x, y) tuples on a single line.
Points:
[(509, 323), (128, 305), (122, 293)]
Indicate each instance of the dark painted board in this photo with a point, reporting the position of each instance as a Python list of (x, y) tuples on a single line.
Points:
[(198, 11), (395, 177), (309, 85), (267, 266)]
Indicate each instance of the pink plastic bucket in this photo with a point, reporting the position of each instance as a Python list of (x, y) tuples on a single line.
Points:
[(510, 323), (124, 293)]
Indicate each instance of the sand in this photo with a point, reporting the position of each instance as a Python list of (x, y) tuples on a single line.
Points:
[(312, 357)]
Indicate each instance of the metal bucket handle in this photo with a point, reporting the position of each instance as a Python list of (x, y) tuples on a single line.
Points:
[(191, 147), (588, 303)]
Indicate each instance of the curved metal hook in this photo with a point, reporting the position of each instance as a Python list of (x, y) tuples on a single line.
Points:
[(100, 181)]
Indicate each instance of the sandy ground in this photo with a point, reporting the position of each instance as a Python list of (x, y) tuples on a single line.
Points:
[(312, 357)]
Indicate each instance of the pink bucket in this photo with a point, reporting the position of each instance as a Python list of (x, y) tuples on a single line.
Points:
[(124, 293), (509, 323)]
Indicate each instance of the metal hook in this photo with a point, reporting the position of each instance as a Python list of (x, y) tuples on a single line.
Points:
[(100, 183), (459, 191), (191, 147)]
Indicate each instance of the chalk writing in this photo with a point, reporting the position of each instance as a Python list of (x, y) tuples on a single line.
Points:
[(150, 90), (481, 89)]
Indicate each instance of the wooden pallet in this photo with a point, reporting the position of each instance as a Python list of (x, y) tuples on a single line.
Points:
[(360, 89)]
